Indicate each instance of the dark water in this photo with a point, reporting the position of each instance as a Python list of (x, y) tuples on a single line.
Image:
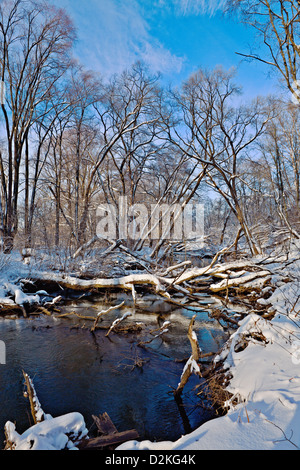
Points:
[(74, 370)]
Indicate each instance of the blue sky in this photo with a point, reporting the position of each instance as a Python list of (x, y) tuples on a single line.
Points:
[(175, 37)]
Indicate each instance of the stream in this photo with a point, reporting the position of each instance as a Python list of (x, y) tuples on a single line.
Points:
[(75, 370)]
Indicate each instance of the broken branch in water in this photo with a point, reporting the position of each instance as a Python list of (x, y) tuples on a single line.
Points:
[(192, 365), (70, 427), (37, 413), (117, 322), (160, 331), (69, 314), (104, 312)]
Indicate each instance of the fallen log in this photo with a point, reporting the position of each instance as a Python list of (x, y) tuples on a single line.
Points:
[(126, 282), (104, 424), (108, 435), (37, 413), (245, 281), (107, 441)]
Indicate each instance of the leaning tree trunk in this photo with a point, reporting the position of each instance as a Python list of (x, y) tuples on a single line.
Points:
[(192, 364)]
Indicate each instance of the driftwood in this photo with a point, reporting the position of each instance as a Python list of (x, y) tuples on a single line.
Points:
[(108, 441), (159, 332), (117, 322), (36, 411), (192, 365), (108, 435), (104, 312), (104, 424), (12, 308)]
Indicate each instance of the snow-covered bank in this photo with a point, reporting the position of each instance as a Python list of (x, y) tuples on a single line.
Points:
[(263, 358), (52, 434)]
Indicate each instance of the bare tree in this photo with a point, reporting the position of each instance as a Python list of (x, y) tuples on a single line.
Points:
[(218, 133), (35, 45), (276, 23), (126, 118), (281, 155)]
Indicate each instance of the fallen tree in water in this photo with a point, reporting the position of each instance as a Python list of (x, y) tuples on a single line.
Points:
[(179, 285), (234, 278), (245, 274)]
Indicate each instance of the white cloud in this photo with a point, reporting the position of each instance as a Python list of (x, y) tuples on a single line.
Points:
[(192, 7), (113, 34)]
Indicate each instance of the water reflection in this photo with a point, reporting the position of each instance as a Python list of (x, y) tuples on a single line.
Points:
[(75, 370)]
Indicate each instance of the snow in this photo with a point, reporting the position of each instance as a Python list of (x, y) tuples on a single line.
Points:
[(52, 434), (264, 411), (20, 297), (119, 320), (266, 382), (39, 413), (194, 336), (194, 367), (11, 270), (262, 358)]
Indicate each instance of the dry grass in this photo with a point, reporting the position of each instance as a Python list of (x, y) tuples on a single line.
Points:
[(214, 389)]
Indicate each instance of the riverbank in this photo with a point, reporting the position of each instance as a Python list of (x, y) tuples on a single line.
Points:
[(261, 359)]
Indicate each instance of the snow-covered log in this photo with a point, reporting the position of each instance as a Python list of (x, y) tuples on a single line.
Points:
[(20, 297), (125, 282), (37, 412), (251, 281)]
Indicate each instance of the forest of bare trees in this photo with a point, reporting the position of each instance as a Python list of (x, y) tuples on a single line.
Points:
[(71, 141)]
